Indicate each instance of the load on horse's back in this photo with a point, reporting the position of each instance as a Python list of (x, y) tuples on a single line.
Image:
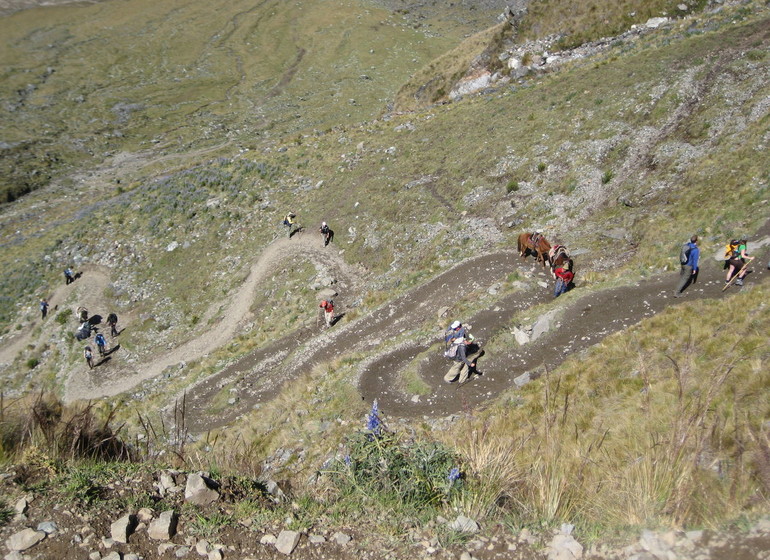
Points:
[(559, 257), (535, 244)]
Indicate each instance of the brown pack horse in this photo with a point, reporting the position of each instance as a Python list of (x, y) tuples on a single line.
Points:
[(539, 248)]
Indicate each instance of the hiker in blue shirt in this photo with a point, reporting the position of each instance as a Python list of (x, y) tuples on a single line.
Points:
[(689, 271)]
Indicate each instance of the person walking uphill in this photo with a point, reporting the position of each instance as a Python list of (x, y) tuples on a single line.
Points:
[(43, 308), (688, 258), (736, 257), (288, 221), (328, 307), (464, 365)]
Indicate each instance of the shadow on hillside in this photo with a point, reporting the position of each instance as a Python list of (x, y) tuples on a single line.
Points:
[(337, 318)]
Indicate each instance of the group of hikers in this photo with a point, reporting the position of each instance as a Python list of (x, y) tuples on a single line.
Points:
[(290, 221), (87, 325), (736, 263)]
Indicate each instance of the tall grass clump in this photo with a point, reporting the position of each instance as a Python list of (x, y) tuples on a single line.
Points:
[(42, 425), (383, 467), (660, 426)]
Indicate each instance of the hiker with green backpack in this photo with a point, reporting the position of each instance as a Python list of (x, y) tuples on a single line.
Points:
[(736, 259), (688, 259)]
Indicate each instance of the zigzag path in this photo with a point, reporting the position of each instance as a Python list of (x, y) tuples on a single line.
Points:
[(582, 320)]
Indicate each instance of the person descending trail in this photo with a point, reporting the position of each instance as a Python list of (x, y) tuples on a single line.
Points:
[(327, 233), (69, 278), (328, 308), (88, 354), (459, 342), (737, 261), (43, 308), (688, 259)]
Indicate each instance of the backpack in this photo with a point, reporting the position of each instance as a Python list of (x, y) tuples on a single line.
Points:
[(684, 254), (112, 319), (100, 340), (451, 351), (730, 250)]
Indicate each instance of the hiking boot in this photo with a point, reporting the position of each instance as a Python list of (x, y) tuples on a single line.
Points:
[(678, 294), (739, 282)]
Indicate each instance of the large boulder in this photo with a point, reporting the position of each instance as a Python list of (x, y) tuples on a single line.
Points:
[(24, 539), (200, 490)]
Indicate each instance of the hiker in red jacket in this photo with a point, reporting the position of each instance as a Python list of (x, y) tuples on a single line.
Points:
[(564, 278), (328, 306)]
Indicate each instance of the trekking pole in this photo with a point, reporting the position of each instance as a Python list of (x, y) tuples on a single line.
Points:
[(737, 274)]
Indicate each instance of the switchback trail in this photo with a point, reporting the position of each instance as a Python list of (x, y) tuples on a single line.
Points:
[(580, 323)]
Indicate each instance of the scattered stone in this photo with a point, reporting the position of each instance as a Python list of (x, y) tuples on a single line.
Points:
[(215, 554), (24, 539), (316, 539), (520, 336), (131, 556), (121, 529), (114, 555), (144, 515), (182, 551), (96, 555), (464, 525), (274, 490), (164, 527), (564, 547), (341, 538), (15, 555), (267, 539), (163, 548), (202, 547), (200, 490), (48, 527), (21, 506), (287, 541)]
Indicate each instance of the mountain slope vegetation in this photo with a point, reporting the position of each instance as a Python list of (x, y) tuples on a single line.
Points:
[(157, 149)]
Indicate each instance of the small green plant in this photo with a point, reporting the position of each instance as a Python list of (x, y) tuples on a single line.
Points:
[(32, 363), (6, 513), (607, 176), (63, 317), (208, 526), (512, 186), (384, 466), (541, 167)]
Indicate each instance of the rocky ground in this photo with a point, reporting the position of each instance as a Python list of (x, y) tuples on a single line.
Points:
[(46, 525)]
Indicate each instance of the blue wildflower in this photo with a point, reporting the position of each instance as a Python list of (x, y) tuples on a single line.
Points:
[(373, 422), (453, 475), (347, 460)]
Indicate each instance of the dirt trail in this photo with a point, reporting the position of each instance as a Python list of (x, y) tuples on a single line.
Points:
[(81, 385)]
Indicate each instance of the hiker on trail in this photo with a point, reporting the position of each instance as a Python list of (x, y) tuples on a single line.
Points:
[(112, 321), (288, 221), (88, 354), (101, 343), (564, 277), (82, 313), (43, 308), (328, 307), (735, 258), (463, 364), (326, 232), (688, 258), (68, 277)]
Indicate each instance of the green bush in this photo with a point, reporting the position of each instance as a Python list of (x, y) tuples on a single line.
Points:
[(32, 363), (512, 186), (385, 466), (63, 317)]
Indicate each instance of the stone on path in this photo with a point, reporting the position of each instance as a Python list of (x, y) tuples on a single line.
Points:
[(200, 490), (464, 525), (287, 541), (164, 527), (564, 547), (24, 539), (121, 529)]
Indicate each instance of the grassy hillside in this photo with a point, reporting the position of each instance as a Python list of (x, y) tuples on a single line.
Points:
[(83, 81), (620, 156)]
